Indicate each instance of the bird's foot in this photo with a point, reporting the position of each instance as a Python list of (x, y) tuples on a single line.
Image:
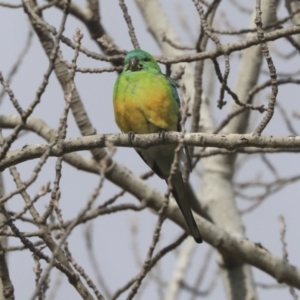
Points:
[(131, 136), (162, 135)]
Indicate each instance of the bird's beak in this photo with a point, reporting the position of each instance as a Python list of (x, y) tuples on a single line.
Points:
[(133, 64)]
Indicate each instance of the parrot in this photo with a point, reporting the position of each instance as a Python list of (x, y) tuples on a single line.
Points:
[(146, 101)]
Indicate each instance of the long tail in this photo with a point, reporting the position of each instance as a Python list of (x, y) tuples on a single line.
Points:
[(179, 193)]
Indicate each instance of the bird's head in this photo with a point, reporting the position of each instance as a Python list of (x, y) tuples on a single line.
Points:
[(137, 60)]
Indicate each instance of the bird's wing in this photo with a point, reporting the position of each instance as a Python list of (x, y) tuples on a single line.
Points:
[(153, 165), (174, 86)]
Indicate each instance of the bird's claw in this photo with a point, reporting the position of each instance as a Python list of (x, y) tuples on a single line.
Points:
[(162, 135), (131, 136)]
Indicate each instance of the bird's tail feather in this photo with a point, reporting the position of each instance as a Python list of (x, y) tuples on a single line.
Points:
[(179, 193)]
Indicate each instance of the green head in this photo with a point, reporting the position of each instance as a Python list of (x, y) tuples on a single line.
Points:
[(137, 60)]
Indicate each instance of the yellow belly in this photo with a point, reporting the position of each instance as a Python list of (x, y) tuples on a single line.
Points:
[(130, 118)]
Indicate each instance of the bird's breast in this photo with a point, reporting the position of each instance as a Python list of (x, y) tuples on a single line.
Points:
[(143, 103)]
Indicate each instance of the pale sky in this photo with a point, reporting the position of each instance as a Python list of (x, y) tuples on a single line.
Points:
[(111, 233)]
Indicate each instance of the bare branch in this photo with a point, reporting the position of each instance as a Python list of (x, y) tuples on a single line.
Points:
[(128, 20)]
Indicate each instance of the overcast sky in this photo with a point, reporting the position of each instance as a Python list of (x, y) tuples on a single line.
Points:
[(112, 237)]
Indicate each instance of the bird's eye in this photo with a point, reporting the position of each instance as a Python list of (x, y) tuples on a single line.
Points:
[(146, 59)]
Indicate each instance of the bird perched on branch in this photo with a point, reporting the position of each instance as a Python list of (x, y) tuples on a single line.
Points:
[(146, 101)]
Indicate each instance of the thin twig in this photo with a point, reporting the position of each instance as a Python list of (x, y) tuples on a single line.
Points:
[(128, 20)]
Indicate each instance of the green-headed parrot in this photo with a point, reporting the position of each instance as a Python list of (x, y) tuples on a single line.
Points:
[(146, 101)]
